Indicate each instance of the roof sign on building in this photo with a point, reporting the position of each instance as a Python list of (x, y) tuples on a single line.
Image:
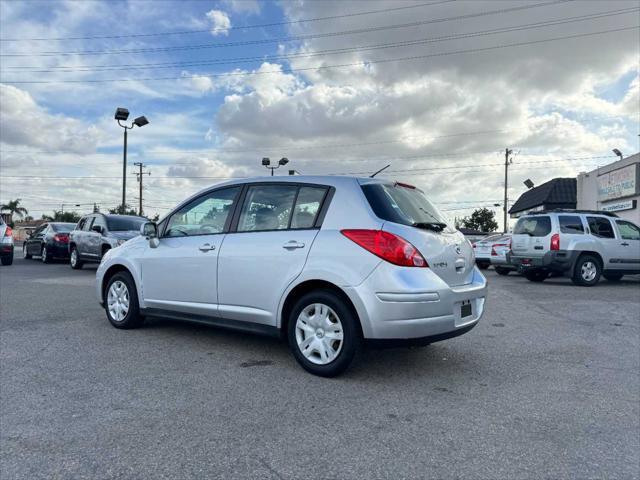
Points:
[(619, 183)]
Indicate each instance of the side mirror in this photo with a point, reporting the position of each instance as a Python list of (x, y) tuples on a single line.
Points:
[(96, 228), (150, 230)]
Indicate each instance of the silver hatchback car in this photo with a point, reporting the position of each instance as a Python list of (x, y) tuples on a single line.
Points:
[(330, 263)]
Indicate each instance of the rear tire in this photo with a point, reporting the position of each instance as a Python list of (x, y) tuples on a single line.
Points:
[(536, 276), (6, 261), (74, 259), (25, 255), (612, 277), (324, 334), (502, 270), (121, 302), (587, 271), (44, 255)]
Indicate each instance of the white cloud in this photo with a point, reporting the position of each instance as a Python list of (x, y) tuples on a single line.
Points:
[(24, 123), (251, 7), (220, 22)]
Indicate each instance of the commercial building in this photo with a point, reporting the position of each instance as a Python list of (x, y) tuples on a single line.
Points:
[(612, 188)]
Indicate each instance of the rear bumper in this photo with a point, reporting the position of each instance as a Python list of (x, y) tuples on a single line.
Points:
[(58, 250), (556, 261), (419, 306)]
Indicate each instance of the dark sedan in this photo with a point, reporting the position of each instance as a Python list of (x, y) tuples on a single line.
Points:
[(49, 241)]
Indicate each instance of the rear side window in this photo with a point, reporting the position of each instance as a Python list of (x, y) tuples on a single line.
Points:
[(600, 227), (628, 230), (307, 207), (401, 204), (570, 224), (538, 226), (267, 207)]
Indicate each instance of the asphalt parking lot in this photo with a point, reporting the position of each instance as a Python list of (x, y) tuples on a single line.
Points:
[(547, 386)]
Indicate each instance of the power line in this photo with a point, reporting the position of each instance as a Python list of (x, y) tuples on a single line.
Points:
[(327, 67), (239, 27), (338, 51), (230, 177), (286, 39)]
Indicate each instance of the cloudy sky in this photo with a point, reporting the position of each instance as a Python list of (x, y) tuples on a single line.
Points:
[(437, 89)]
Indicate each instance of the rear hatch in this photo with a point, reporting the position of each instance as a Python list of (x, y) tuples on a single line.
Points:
[(408, 213), (532, 236)]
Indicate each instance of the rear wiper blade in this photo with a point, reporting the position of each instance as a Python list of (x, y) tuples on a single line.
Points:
[(435, 226)]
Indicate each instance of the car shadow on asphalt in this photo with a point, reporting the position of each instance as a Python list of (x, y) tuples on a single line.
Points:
[(435, 360)]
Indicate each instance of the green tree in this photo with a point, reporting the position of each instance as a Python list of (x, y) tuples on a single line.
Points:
[(14, 208), (70, 217), (119, 210), (481, 219)]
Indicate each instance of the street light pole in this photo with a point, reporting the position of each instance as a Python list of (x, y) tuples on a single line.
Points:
[(121, 115), (124, 169), (505, 206)]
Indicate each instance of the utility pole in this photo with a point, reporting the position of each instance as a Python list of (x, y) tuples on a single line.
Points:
[(505, 206), (139, 175)]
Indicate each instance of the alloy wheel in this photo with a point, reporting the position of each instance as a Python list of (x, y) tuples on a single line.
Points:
[(24, 250), (74, 257), (44, 254), (319, 334), (588, 271), (118, 301)]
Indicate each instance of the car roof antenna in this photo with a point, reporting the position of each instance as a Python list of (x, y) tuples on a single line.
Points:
[(379, 171)]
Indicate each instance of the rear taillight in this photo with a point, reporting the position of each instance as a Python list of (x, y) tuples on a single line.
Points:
[(555, 241), (8, 232), (392, 248), (493, 248), (61, 238)]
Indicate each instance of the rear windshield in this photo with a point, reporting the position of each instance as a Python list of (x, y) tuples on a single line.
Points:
[(538, 226), (122, 224), (400, 204), (62, 227)]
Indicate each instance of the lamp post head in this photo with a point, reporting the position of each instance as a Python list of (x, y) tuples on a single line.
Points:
[(283, 161), (617, 152), (121, 114), (528, 183), (140, 121), (266, 162)]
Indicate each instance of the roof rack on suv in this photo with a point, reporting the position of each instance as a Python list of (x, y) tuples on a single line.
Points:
[(567, 210)]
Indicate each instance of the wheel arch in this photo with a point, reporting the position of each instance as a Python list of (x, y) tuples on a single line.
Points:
[(587, 252), (308, 286), (110, 272)]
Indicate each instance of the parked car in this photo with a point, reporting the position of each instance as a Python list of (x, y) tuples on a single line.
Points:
[(580, 244), (6, 243), (98, 233), (48, 241), (326, 262), (499, 249), (482, 250)]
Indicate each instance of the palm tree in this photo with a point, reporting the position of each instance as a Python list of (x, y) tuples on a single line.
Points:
[(14, 208)]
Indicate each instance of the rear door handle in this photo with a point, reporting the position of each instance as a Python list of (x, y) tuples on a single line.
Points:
[(625, 244), (292, 245), (206, 247)]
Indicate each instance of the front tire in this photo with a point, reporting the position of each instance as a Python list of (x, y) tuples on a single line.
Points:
[(25, 254), (536, 276), (74, 259), (323, 333), (121, 302), (502, 270), (483, 265), (587, 271)]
